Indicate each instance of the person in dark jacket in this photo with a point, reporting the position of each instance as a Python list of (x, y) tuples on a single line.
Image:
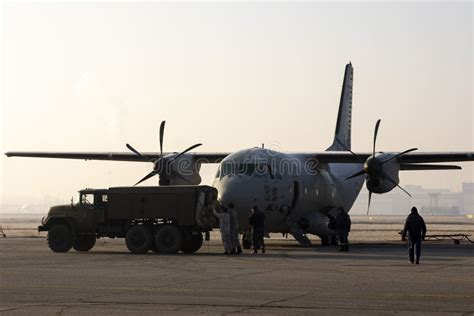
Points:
[(416, 228), (343, 227), (257, 221)]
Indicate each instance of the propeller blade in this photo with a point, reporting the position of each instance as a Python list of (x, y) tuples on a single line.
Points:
[(186, 150), (136, 152), (404, 190), (148, 176), (375, 135), (368, 205), (391, 180), (398, 155), (356, 174), (162, 134)]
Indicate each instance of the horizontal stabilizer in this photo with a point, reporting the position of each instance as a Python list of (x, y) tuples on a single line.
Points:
[(410, 166)]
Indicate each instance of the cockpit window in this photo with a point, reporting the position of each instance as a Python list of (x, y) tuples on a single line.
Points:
[(247, 169), (262, 171), (227, 169)]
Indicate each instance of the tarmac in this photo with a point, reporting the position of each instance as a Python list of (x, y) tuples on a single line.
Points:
[(371, 279)]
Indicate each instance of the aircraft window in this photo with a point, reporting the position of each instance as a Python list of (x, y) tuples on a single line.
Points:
[(261, 171), (271, 172), (227, 169), (247, 169), (104, 198)]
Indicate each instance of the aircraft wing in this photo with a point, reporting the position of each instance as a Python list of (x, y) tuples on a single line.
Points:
[(112, 156), (409, 158)]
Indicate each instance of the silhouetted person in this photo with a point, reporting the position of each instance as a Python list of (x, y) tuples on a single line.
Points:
[(224, 225), (343, 227), (416, 228), (257, 221), (234, 230)]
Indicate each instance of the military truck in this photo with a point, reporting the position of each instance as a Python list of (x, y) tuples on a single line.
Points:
[(165, 219)]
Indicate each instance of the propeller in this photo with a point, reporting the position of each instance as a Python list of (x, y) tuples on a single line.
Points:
[(373, 166), (161, 162)]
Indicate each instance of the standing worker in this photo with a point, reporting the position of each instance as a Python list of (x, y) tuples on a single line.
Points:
[(257, 221), (416, 228), (343, 227), (234, 230), (224, 225)]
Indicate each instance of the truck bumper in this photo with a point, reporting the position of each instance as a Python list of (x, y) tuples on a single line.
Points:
[(42, 228)]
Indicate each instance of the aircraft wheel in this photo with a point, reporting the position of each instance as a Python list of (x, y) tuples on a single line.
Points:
[(169, 239), (246, 241), (193, 244), (139, 239), (325, 240), (83, 242), (60, 238)]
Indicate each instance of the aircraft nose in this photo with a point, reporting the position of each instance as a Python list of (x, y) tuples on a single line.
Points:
[(236, 192)]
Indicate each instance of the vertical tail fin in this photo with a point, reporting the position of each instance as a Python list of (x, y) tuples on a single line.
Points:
[(342, 137)]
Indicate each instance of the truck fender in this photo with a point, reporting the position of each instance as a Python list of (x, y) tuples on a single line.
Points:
[(50, 222)]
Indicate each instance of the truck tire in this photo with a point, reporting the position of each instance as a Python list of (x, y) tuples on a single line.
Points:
[(138, 239), (169, 239), (193, 244), (154, 248), (83, 242), (60, 238)]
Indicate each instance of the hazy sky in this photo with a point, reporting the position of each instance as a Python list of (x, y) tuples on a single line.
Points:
[(94, 76)]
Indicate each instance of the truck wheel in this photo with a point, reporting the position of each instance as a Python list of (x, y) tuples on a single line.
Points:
[(193, 244), (59, 238), (169, 239), (154, 248), (83, 242), (139, 239)]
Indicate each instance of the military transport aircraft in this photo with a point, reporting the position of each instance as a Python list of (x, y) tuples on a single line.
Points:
[(299, 192)]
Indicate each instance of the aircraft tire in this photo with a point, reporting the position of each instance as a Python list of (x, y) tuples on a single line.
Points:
[(169, 239), (60, 238), (139, 239), (325, 240), (83, 242), (246, 242), (193, 244)]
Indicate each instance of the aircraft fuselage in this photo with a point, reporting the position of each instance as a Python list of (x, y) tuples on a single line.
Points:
[(288, 188)]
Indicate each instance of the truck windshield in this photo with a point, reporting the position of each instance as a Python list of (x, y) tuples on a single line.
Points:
[(87, 198)]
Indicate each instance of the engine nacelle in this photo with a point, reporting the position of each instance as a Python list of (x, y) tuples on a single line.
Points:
[(379, 174), (183, 170)]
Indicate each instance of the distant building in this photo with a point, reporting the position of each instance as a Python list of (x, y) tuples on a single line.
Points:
[(468, 197), (428, 201)]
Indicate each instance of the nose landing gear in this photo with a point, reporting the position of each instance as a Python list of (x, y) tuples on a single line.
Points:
[(247, 239)]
